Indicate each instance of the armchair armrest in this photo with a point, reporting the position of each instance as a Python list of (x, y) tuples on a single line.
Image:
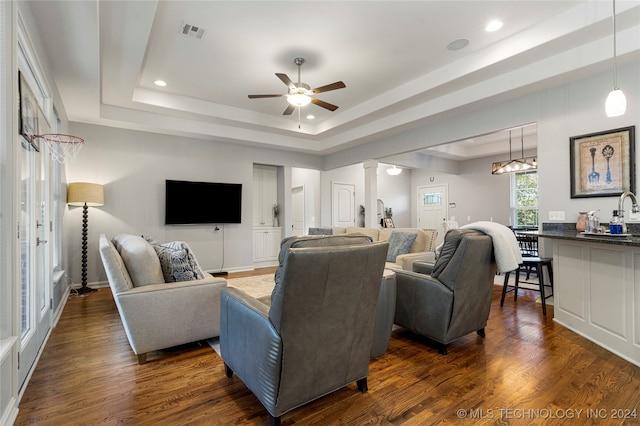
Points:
[(423, 304), (250, 345)]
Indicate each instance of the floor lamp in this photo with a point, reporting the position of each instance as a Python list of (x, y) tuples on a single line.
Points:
[(85, 194)]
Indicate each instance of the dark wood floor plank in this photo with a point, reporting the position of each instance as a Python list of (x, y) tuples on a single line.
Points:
[(89, 375)]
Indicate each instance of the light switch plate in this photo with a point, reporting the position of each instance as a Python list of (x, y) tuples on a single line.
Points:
[(556, 215)]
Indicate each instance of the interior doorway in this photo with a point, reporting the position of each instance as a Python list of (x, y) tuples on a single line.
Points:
[(343, 201), (433, 208), (298, 226)]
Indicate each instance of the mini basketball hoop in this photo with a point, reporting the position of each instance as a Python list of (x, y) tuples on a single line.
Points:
[(62, 147)]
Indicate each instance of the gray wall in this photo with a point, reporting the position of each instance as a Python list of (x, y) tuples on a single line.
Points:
[(133, 166), (570, 109)]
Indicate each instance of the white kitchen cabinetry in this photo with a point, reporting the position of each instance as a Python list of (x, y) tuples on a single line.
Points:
[(597, 293), (266, 246), (265, 194)]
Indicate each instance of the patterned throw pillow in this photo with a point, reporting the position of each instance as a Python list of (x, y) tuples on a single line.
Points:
[(399, 243), (177, 261)]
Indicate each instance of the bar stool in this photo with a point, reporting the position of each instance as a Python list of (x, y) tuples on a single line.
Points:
[(529, 263)]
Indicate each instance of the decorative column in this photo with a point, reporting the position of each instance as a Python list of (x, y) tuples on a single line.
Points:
[(371, 193)]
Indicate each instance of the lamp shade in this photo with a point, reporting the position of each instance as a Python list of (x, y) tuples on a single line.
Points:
[(79, 193)]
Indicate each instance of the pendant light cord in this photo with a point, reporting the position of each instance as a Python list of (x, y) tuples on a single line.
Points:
[(615, 55)]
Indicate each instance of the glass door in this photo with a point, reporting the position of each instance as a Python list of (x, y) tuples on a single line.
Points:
[(35, 276)]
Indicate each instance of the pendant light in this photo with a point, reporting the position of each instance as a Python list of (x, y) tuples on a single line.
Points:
[(616, 103), (519, 165)]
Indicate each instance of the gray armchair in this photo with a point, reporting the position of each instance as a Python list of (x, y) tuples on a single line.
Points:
[(317, 334), (455, 298)]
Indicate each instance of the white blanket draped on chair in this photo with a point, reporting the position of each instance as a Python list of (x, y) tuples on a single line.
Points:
[(505, 245)]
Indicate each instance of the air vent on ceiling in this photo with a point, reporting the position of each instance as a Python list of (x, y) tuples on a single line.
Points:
[(191, 31)]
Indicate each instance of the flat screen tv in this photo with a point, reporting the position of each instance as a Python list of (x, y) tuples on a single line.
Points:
[(190, 203)]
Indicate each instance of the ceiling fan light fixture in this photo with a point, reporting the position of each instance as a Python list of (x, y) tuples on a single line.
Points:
[(298, 99)]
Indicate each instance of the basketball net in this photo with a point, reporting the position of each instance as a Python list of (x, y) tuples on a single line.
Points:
[(62, 147)]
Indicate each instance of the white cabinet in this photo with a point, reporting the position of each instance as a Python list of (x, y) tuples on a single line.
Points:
[(265, 194), (597, 294), (266, 246)]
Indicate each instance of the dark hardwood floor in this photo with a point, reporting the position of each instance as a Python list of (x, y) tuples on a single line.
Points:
[(528, 370)]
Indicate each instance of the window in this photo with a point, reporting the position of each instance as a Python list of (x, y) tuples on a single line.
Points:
[(524, 199), (432, 199)]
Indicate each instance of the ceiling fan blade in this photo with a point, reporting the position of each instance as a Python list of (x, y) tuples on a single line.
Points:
[(332, 86), (324, 104), (289, 110), (286, 80), (264, 96)]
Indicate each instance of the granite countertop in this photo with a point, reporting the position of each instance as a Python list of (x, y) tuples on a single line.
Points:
[(567, 231)]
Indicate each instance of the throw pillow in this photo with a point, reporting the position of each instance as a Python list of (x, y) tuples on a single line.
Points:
[(399, 243), (177, 261)]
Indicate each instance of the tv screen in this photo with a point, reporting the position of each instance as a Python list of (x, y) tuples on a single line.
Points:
[(188, 203)]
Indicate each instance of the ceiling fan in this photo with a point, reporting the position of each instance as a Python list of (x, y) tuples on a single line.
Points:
[(301, 94)]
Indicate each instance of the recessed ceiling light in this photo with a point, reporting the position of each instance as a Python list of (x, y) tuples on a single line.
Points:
[(311, 117), (494, 25), (458, 44), (160, 83)]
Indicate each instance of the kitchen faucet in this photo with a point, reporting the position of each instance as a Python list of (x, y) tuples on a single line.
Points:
[(634, 208)]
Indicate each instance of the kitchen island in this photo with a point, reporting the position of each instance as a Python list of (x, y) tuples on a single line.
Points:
[(597, 286)]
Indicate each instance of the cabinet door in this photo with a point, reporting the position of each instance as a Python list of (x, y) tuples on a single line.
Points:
[(269, 193), (265, 194), (258, 219), (272, 244), (259, 246)]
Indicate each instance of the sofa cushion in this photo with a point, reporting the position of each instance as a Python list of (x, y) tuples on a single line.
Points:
[(140, 259), (177, 261), (371, 232), (399, 243)]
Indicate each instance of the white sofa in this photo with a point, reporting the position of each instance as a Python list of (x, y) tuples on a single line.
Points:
[(421, 249), (158, 314)]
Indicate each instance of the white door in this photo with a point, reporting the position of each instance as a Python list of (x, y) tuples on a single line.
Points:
[(343, 204), (433, 208), (297, 203), (35, 275)]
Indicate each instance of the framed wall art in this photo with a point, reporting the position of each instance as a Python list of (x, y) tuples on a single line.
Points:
[(603, 164), (28, 114)]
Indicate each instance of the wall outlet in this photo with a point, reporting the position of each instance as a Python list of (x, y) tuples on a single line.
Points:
[(556, 215)]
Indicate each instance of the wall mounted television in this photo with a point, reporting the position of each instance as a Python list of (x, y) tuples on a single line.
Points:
[(191, 203)]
